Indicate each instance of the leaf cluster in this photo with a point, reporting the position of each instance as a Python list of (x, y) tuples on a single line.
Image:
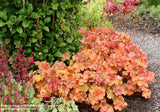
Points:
[(46, 28), (107, 67)]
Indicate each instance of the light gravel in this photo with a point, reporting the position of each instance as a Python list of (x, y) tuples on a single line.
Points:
[(149, 44)]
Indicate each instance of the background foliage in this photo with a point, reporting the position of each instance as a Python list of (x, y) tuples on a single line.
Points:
[(46, 28), (93, 15), (150, 6)]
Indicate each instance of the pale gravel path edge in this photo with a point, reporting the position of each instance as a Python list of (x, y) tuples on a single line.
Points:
[(151, 46)]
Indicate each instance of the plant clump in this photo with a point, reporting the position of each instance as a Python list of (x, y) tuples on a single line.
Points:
[(107, 67), (120, 6)]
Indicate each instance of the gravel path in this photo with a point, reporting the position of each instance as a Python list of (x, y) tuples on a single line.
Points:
[(151, 46)]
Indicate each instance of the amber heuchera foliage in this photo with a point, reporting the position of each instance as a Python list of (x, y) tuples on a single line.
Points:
[(107, 67)]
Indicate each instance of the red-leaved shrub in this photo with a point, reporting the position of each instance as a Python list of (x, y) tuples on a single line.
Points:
[(10, 89), (111, 7)]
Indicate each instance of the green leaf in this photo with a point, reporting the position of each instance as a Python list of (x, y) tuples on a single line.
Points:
[(34, 40), (3, 15), (19, 30), (9, 23), (23, 35), (2, 23), (63, 44), (28, 44), (54, 6), (22, 11), (17, 42), (28, 50), (49, 12), (29, 91), (66, 28), (19, 87), (30, 8), (76, 44), (58, 54), (13, 18), (34, 100), (41, 23), (54, 110), (41, 108), (46, 28), (34, 15), (45, 50), (47, 20), (8, 40), (69, 40), (25, 23), (3, 30)]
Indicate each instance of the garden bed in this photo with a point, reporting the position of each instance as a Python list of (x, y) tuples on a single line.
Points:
[(145, 23)]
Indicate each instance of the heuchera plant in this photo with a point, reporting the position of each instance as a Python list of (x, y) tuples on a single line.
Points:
[(107, 67)]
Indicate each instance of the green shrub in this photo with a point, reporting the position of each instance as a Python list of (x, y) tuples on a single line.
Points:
[(47, 28), (151, 6)]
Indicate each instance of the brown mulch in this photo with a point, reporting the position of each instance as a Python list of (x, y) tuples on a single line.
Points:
[(145, 23)]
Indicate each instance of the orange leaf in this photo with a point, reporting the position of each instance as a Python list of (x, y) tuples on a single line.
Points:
[(131, 85), (146, 93), (151, 76), (96, 94), (106, 108), (42, 65), (65, 56), (37, 78)]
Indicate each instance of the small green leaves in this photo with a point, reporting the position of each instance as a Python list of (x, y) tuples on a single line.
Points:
[(3, 15), (9, 23), (54, 6), (2, 23), (50, 28), (58, 54)]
